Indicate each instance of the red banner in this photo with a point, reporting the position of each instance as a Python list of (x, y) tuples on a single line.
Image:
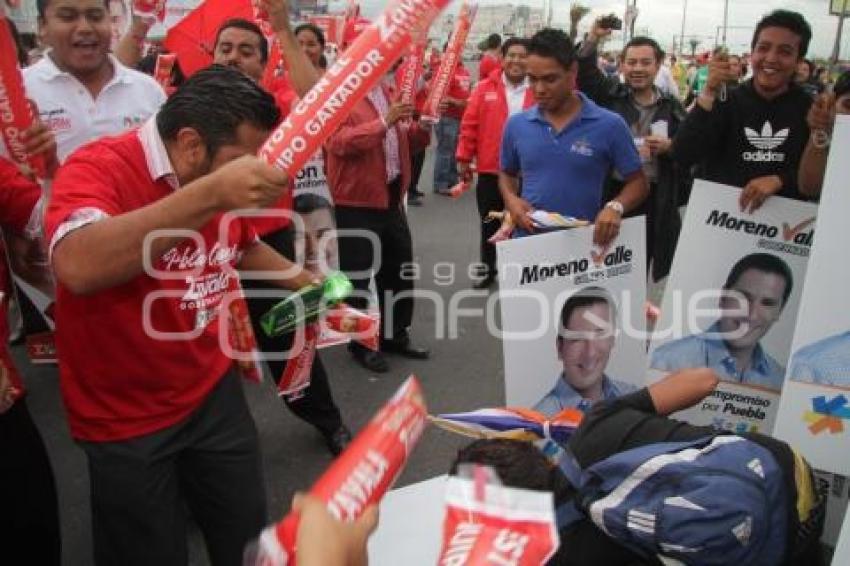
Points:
[(332, 26), (362, 474), (296, 373), (16, 114), (411, 71), (320, 112), (490, 524), (154, 9), (242, 339), (454, 51), (162, 71), (362, 328)]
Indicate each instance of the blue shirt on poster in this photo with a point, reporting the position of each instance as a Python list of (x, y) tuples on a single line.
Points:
[(563, 396), (708, 350), (826, 362), (565, 171)]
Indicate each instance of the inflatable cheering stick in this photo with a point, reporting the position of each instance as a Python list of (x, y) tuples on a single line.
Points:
[(359, 477)]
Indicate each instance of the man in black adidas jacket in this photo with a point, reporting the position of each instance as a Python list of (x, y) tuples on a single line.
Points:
[(755, 138), (654, 118)]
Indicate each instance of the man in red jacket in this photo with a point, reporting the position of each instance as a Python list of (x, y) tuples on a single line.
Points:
[(446, 130), (504, 93), (368, 169)]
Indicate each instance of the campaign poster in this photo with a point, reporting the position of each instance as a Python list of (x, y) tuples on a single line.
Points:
[(814, 414), (731, 303), (573, 326)]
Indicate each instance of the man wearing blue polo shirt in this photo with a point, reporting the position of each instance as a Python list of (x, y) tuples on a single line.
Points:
[(565, 146)]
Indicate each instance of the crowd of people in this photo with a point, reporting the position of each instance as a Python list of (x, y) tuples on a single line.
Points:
[(549, 125)]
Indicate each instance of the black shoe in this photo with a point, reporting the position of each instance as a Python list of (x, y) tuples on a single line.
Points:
[(414, 201), (338, 440), (403, 347), (485, 283), (373, 361)]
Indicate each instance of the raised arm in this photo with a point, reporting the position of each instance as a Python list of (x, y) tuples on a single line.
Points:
[(682, 390)]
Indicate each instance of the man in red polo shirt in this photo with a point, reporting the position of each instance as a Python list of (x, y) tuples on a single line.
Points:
[(145, 256), (501, 95)]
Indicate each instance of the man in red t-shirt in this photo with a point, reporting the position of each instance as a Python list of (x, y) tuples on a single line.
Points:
[(241, 44), (446, 130), (145, 253)]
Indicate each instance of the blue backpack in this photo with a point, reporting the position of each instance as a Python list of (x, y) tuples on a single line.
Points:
[(716, 501)]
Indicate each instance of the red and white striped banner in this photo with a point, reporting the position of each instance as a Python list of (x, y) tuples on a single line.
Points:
[(411, 71), (320, 112), (454, 51)]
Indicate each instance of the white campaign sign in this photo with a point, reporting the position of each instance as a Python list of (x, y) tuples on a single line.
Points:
[(745, 336), (538, 274), (814, 414)]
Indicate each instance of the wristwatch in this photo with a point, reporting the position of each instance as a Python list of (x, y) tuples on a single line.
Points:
[(615, 205)]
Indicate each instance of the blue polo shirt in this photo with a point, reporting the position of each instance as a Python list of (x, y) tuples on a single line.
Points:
[(565, 171)]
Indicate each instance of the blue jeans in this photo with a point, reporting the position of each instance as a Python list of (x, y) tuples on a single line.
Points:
[(445, 165)]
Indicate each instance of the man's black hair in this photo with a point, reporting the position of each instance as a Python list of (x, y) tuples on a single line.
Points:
[(243, 24), (584, 298), (554, 44), (317, 31), (493, 41), (513, 42), (41, 6), (306, 203), (519, 464), (643, 41), (792, 21), (842, 85), (765, 263), (215, 102)]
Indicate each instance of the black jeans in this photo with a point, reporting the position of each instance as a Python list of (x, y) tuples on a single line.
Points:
[(211, 460), (357, 254), (417, 162), (29, 512), (489, 199), (315, 405)]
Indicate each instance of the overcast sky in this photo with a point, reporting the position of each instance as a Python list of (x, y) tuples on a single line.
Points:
[(663, 18)]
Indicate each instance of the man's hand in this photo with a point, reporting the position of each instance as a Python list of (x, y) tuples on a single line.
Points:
[(278, 11), (8, 393), (39, 140), (597, 32), (607, 226), (247, 182), (519, 208), (719, 72), (398, 111), (657, 145), (322, 540), (757, 191), (464, 170), (822, 113)]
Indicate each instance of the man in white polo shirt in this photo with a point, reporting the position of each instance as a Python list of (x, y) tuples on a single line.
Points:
[(82, 92)]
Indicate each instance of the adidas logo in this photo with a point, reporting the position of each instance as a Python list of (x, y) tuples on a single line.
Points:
[(765, 142), (744, 531), (756, 467)]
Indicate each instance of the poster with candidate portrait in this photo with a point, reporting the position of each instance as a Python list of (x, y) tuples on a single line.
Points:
[(731, 303), (573, 323), (815, 410)]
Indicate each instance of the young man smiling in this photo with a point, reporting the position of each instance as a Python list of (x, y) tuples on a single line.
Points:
[(755, 138), (565, 147), (82, 92), (654, 119)]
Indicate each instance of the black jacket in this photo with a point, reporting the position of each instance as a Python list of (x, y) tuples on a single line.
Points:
[(673, 182), (747, 137)]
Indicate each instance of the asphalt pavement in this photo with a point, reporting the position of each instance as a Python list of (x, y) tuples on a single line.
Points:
[(464, 373)]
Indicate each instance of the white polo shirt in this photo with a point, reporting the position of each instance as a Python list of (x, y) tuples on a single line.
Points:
[(68, 108)]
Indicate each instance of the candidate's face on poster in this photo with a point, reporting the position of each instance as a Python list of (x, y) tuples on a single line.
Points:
[(319, 249), (748, 317), (585, 345)]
